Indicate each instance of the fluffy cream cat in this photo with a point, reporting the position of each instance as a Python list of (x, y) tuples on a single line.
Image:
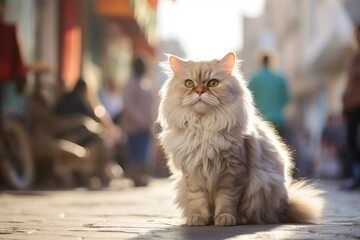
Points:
[(229, 165)]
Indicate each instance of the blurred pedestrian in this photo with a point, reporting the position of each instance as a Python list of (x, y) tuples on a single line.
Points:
[(12, 68), (136, 121), (270, 93), (76, 102), (330, 163), (49, 136), (351, 110)]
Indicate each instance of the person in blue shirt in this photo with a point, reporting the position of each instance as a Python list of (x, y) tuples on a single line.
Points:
[(270, 93)]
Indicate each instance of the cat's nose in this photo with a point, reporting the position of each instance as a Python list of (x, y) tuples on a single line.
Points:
[(199, 89), (200, 92)]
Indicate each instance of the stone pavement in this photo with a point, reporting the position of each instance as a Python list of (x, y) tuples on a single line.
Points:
[(147, 213)]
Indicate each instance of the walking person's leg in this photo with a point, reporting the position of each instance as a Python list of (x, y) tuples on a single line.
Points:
[(352, 137)]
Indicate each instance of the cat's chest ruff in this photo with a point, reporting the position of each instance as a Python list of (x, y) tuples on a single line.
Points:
[(204, 145), (199, 152), (205, 160)]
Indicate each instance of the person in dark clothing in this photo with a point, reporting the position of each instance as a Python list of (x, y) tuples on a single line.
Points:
[(351, 110), (76, 102)]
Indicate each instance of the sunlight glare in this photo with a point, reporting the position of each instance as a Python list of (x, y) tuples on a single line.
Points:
[(205, 28)]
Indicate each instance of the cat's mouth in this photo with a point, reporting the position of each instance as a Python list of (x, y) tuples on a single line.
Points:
[(209, 100), (201, 101)]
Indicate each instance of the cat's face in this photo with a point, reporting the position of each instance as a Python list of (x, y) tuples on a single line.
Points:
[(203, 86)]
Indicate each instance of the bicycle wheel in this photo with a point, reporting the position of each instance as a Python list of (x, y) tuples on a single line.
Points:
[(16, 160)]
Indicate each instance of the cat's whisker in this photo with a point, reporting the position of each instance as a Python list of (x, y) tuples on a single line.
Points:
[(210, 99), (189, 100), (205, 98)]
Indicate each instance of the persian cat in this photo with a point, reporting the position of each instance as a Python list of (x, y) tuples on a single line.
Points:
[(229, 165)]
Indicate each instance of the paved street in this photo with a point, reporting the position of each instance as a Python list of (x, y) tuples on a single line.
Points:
[(147, 213)]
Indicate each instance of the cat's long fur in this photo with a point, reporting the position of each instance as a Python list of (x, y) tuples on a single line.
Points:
[(229, 165)]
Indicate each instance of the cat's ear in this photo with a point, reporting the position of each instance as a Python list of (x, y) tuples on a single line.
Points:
[(228, 62), (176, 63)]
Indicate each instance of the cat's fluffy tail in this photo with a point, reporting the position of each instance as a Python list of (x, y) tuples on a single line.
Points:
[(305, 203)]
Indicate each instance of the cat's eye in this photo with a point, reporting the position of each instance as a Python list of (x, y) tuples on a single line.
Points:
[(213, 83), (189, 83)]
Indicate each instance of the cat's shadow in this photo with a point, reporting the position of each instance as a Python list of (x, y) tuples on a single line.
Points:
[(207, 232)]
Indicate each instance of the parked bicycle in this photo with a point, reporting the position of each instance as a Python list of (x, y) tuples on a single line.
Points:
[(17, 165), (16, 159)]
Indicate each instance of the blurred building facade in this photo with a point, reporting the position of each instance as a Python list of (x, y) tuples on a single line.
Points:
[(313, 43), (95, 39)]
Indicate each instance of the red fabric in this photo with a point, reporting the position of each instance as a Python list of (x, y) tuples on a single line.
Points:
[(70, 42), (11, 63)]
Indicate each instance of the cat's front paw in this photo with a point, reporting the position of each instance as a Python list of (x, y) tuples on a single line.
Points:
[(225, 219), (197, 220)]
